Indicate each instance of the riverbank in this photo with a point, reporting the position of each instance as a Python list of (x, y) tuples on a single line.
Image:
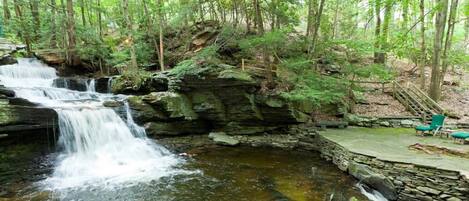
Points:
[(382, 158)]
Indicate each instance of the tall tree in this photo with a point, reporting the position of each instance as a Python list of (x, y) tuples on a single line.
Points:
[(73, 58), (100, 20), (82, 9), (449, 36), (6, 12), (317, 24), (258, 17), (440, 23), (377, 51), (160, 27), (130, 38), (423, 57), (53, 26), (34, 5), (22, 30)]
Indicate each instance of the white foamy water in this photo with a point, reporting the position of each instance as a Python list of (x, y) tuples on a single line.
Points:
[(374, 195), (99, 148)]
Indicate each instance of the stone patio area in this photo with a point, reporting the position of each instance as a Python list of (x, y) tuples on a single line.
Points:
[(392, 144)]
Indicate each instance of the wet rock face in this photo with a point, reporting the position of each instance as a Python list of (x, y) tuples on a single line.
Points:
[(364, 174), (78, 84), (19, 116)]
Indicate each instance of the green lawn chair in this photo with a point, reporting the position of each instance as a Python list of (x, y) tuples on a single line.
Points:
[(437, 123)]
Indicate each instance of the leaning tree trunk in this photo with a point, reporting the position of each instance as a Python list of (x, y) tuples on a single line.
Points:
[(440, 22)]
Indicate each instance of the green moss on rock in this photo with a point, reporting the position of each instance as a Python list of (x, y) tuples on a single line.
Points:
[(175, 105), (143, 112), (236, 75), (208, 106)]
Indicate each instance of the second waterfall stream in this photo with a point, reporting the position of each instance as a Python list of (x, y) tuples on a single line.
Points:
[(97, 146)]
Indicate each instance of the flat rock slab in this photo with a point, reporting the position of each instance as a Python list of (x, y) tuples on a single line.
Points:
[(223, 139), (392, 144)]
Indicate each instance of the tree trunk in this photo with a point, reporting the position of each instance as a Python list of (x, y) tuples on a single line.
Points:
[(247, 16), (130, 39), (201, 10), (317, 24), (449, 37), (440, 22), (160, 27), (34, 4), (423, 58), (53, 26), (23, 34), (385, 32), (377, 31), (73, 58), (405, 14), (6, 12), (82, 9), (100, 20), (312, 4), (258, 16), (150, 30), (336, 19)]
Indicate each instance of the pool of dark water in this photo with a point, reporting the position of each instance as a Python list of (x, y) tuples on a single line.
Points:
[(215, 173)]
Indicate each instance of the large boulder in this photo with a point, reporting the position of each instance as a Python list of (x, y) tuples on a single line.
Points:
[(373, 179)]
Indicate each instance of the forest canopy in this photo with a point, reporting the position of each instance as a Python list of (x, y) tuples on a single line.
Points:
[(318, 46)]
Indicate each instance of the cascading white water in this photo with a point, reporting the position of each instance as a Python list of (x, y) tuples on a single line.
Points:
[(91, 86), (371, 194), (99, 148)]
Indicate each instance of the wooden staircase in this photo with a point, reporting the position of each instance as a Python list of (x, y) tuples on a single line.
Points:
[(416, 101)]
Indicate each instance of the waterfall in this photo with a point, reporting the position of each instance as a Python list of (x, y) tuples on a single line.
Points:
[(98, 147), (371, 194), (109, 85), (91, 86)]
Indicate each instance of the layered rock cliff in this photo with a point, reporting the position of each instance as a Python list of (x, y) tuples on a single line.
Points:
[(204, 100)]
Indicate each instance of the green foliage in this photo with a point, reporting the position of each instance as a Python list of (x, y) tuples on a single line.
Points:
[(204, 60), (271, 41), (316, 89), (135, 79)]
